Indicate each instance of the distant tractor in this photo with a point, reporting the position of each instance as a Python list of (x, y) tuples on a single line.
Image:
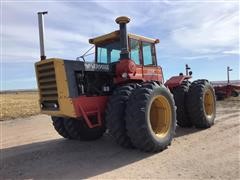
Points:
[(122, 90), (226, 89)]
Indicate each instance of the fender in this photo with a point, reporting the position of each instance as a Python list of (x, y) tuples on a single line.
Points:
[(176, 81)]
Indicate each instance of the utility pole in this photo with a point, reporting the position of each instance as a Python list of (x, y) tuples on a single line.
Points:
[(228, 70)]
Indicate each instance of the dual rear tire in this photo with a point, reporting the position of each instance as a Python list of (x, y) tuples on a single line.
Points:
[(196, 104), (201, 104), (151, 118), (142, 117)]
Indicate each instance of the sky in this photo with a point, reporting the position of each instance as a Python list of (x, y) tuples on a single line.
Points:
[(202, 34)]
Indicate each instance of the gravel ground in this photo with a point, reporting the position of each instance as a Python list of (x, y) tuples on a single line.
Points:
[(31, 149)]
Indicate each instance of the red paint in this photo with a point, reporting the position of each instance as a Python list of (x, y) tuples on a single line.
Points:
[(125, 65), (88, 106), (176, 81), (137, 73), (226, 89)]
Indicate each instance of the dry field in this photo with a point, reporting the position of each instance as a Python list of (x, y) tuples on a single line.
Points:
[(18, 104)]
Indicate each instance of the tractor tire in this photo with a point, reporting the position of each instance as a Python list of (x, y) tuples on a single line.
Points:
[(234, 94), (201, 104), (78, 129), (151, 117), (180, 95), (115, 114), (58, 124)]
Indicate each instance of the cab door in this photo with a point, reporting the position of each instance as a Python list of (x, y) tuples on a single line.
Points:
[(151, 72)]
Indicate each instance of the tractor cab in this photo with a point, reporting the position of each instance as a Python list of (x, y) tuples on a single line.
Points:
[(141, 49)]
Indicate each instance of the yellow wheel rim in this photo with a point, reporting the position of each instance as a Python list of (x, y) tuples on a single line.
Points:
[(209, 103), (160, 116)]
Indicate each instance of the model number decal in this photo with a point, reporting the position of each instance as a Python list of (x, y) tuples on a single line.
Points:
[(96, 67)]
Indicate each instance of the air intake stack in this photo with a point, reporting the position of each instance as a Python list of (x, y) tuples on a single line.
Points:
[(122, 21)]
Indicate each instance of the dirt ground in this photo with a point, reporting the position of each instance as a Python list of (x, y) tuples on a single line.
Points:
[(31, 149)]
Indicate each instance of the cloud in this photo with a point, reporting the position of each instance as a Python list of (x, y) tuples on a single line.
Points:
[(233, 51), (189, 31), (201, 28), (213, 34), (67, 29)]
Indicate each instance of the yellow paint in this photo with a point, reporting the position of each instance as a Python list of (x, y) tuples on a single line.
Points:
[(160, 116), (65, 103), (104, 38), (143, 38), (115, 36), (209, 104)]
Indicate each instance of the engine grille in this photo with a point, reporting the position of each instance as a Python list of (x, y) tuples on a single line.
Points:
[(47, 81)]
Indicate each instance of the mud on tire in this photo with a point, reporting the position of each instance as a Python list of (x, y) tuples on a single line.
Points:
[(201, 104), (151, 117)]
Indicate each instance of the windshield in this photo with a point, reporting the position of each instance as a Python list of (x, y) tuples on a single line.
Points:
[(108, 53)]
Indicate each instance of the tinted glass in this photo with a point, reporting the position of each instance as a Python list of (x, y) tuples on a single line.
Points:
[(109, 52), (134, 51)]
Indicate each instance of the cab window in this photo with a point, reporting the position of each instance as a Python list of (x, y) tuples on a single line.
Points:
[(134, 51), (148, 54), (109, 52)]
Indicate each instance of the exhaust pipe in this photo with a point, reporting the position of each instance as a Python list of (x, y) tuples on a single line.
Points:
[(122, 21), (41, 34)]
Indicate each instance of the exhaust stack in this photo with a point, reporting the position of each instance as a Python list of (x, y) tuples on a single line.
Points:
[(41, 34), (122, 21)]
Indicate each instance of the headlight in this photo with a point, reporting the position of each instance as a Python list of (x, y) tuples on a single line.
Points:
[(124, 75), (55, 105)]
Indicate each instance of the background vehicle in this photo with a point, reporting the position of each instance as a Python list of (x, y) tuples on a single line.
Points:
[(225, 89), (122, 89)]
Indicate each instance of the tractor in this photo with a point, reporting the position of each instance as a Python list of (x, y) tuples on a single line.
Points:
[(122, 91)]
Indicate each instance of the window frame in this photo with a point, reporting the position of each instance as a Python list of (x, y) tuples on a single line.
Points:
[(141, 59), (153, 52), (140, 50), (96, 53)]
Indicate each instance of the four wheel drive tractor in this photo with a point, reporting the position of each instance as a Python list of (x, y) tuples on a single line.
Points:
[(122, 90)]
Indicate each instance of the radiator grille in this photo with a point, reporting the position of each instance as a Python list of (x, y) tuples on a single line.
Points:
[(47, 81)]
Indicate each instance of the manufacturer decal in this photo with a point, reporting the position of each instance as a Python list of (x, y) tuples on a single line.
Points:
[(96, 67)]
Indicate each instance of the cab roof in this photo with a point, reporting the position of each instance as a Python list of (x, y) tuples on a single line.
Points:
[(115, 36)]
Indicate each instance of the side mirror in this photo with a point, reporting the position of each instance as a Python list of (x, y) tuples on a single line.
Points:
[(190, 73), (180, 74)]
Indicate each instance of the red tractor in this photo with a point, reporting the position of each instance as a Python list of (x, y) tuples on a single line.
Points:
[(122, 90)]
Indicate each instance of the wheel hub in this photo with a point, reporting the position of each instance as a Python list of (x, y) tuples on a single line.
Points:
[(160, 116)]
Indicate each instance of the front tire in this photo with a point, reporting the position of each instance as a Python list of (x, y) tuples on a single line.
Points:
[(151, 117), (201, 104), (58, 124), (78, 129)]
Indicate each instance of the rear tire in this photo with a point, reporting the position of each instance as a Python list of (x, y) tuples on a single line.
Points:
[(78, 129), (151, 117), (58, 124), (115, 115), (201, 104), (180, 95)]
